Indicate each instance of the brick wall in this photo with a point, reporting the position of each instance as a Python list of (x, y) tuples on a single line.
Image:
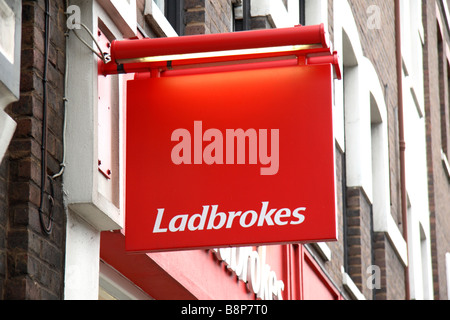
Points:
[(379, 47), (438, 182), (208, 16), (359, 238), (392, 271), (365, 248), (3, 221), (333, 267), (34, 261)]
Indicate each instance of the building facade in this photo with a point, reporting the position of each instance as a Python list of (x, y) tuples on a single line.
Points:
[(62, 171), (436, 24)]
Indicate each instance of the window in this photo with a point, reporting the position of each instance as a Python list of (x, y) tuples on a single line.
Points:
[(444, 96), (446, 114), (442, 85), (7, 30), (124, 15), (447, 264), (242, 15), (269, 13), (174, 12), (302, 12), (160, 4)]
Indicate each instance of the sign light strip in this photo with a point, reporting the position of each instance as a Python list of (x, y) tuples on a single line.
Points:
[(144, 55), (214, 54)]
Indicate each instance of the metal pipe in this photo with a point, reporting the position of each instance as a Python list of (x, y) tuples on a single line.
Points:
[(142, 55), (47, 228), (246, 15), (401, 129), (143, 48), (324, 59)]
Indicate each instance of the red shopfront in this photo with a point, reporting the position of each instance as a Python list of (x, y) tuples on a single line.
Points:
[(201, 275), (268, 260)]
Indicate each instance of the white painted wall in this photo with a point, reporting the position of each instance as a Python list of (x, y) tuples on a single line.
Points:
[(10, 45), (88, 191), (92, 204), (82, 259), (7, 125), (317, 12), (277, 13)]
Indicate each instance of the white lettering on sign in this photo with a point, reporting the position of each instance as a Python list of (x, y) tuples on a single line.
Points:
[(250, 266), (212, 219), (213, 153)]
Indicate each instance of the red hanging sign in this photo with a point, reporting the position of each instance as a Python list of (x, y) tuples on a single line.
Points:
[(230, 158)]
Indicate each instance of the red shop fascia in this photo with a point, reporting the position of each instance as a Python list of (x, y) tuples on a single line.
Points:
[(236, 134)]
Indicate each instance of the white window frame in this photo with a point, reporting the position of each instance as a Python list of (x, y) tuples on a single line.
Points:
[(158, 20), (279, 16), (8, 28), (412, 38), (123, 13), (11, 13), (316, 12)]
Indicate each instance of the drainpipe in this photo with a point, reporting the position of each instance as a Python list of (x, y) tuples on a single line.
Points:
[(401, 130)]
